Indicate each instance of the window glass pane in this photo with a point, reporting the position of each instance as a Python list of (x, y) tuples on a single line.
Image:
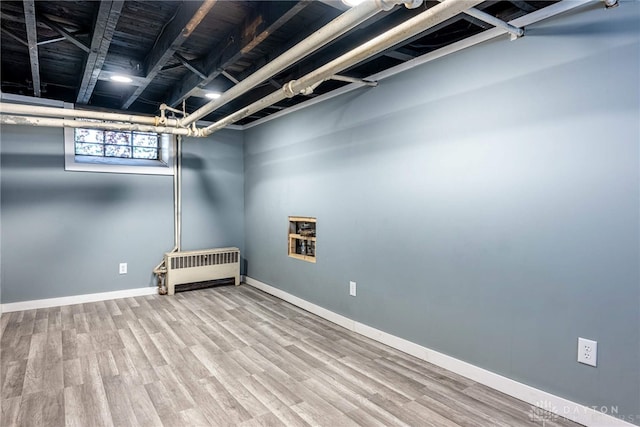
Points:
[(89, 135), (84, 149), (117, 151), (119, 138), (145, 153), (145, 139)]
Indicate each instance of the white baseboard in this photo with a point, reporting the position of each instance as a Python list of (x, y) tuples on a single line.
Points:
[(76, 299), (535, 397)]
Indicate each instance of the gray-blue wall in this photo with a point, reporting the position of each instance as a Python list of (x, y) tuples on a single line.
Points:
[(487, 204), (212, 191), (64, 233)]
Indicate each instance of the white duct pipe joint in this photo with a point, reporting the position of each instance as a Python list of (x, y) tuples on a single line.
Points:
[(288, 89)]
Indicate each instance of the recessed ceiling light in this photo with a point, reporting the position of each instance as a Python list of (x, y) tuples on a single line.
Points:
[(213, 95), (352, 3), (121, 79)]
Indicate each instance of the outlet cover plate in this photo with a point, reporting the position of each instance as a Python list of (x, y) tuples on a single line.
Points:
[(352, 288), (123, 268), (587, 351)]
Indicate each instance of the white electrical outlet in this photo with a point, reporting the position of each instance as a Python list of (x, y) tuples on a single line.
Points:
[(352, 288), (587, 351), (123, 268)]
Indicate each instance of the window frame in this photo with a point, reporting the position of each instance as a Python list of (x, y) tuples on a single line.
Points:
[(78, 163)]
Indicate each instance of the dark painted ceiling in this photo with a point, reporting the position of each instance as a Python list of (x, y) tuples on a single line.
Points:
[(179, 50)]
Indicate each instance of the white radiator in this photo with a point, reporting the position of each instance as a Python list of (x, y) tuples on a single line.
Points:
[(200, 266)]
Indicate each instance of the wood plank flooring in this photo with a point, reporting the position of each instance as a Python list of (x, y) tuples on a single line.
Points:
[(225, 356)]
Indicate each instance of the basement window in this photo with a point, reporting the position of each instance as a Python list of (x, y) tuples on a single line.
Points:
[(120, 144), (95, 150)]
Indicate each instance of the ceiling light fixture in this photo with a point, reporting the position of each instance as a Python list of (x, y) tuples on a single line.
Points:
[(121, 79), (212, 95)]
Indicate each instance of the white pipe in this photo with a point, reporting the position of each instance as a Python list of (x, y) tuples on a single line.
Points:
[(168, 108), (37, 110), (176, 189), (178, 198), (340, 25), (496, 22), (49, 122), (419, 23)]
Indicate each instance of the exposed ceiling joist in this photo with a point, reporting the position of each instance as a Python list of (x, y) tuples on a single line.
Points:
[(9, 17), (32, 41), (105, 25), (230, 77), (434, 29), (13, 36), (187, 19), (393, 18), (523, 5), (231, 43), (267, 19), (64, 33), (490, 19), (274, 53), (400, 55), (191, 67), (477, 22), (59, 39)]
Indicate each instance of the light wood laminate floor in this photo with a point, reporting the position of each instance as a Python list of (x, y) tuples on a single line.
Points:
[(225, 356)]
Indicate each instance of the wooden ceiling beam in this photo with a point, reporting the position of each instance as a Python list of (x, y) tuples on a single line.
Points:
[(187, 19), (319, 22), (64, 33), (14, 37), (8, 17), (400, 54), (524, 6), (60, 38), (191, 67), (32, 44), (266, 19), (103, 29)]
